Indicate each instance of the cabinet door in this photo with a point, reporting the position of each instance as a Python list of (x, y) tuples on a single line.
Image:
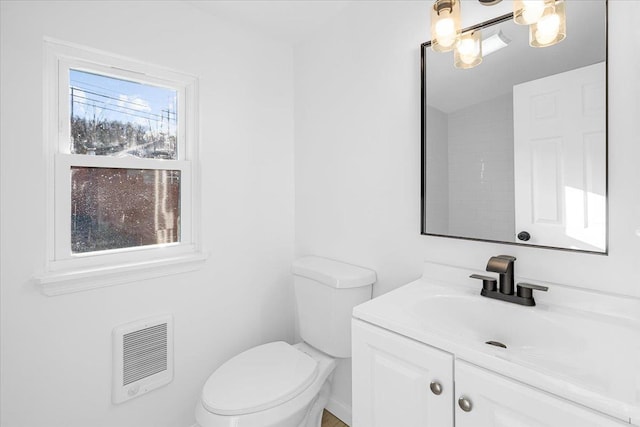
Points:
[(392, 377), (500, 402)]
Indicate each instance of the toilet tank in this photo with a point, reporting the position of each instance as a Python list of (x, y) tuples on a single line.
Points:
[(326, 292)]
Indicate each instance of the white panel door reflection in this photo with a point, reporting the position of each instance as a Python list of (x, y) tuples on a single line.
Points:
[(560, 159)]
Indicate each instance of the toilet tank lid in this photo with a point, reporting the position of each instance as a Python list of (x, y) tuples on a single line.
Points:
[(333, 273)]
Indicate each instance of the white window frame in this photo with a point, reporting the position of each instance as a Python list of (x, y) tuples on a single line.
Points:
[(65, 271)]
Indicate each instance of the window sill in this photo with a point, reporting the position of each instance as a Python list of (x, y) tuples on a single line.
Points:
[(65, 282)]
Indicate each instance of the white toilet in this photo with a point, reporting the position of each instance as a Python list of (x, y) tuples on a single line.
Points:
[(283, 385)]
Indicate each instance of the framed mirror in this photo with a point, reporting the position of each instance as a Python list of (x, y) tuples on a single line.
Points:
[(514, 150)]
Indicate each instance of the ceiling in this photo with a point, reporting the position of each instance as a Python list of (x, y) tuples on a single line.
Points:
[(292, 21), (288, 21)]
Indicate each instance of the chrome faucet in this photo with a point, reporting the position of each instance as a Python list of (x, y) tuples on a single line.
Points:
[(503, 265)]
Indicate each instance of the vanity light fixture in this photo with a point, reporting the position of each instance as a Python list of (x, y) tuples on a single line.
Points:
[(551, 28), (546, 20), (445, 25), (468, 51)]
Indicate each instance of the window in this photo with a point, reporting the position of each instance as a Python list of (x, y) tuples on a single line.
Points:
[(121, 142)]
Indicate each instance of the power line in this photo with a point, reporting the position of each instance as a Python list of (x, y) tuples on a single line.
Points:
[(114, 98), (80, 73), (162, 117), (78, 85), (95, 86), (116, 111)]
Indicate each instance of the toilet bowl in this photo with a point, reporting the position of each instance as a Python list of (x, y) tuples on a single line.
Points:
[(295, 400), (282, 385)]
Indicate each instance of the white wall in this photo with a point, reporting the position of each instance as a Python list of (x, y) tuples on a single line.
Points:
[(56, 351), (357, 149), (481, 194), (357, 160), (437, 170)]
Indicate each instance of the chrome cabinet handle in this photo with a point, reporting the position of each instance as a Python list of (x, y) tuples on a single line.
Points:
[(436, 388), (465, 404)]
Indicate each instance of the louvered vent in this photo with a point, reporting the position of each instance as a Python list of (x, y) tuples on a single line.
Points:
[(144, 353), (142, 357)]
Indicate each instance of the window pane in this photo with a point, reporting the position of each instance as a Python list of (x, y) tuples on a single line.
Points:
[(122, 208), (115, 117)]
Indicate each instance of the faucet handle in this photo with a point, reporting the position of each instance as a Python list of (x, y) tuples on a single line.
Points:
[(525, 290), (488, 283)]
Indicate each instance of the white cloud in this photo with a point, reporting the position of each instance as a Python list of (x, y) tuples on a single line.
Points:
[(133, 103)]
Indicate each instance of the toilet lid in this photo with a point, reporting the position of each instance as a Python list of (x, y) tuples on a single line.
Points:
[(258, 379)]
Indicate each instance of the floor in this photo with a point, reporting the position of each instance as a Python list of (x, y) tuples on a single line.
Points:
[(329, 420)]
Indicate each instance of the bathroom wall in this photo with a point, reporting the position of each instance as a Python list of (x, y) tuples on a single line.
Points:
[(481, 194), (357, 147), (56, 351), (469, 165), (437, 165), (357, 156)]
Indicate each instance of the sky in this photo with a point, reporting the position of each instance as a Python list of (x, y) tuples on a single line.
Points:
[(110, 98)]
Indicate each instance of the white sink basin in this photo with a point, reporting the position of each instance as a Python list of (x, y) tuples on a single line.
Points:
[(477, 319), (565, 346)]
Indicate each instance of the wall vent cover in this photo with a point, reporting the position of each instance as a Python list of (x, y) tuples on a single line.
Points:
[(142, 357)]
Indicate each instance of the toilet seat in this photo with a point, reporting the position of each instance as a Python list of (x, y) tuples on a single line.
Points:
[(258, 379)]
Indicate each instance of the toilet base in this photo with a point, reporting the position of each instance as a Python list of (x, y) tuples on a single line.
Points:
[(314, 415)]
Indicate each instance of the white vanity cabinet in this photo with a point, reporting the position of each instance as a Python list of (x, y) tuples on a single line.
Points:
[(392, 387), (497, 401), (393, 378)]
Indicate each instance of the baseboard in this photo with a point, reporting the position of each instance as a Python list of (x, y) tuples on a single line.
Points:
[(340, 410)]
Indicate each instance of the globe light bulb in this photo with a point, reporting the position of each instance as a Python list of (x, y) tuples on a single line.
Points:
[(551, 28), (468, 51), (532, 11), (527, 12), (548, 28), (445, 25), (446, 32)]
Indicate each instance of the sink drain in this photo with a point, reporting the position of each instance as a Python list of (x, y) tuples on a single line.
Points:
[(496, 344)]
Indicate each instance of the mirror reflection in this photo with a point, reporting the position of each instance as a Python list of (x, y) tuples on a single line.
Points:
[(514, 149)]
